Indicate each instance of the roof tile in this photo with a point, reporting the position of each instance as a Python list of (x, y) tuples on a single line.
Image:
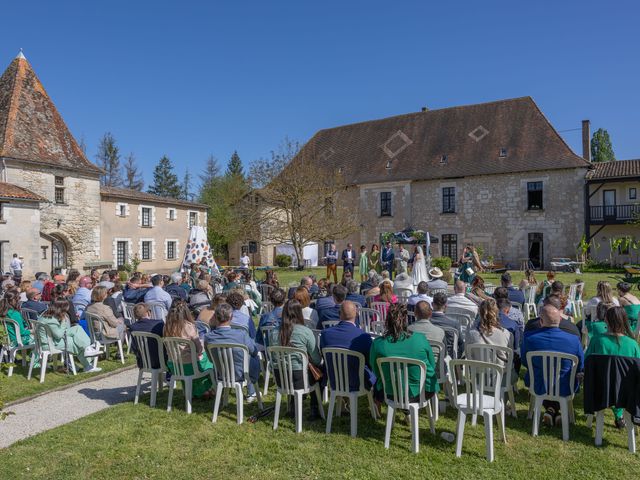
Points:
[(11, 191), (614, 169)]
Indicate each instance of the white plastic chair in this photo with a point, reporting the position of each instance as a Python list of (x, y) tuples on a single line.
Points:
[(571, 301), (158, 310), (339, 378), (403, 294), (433, 291), (381, 308), (30, 317), (579, 302), (221, 355), (282, 357), (399, 389), (11, 350), (630, 427), (265, 291), (451, 331), (268, 367), (266, 307), (480, 397), (490, 354), (366, 316), (377, 328), (174, 346), (129, 319), (43, 352), (99, 338), (551, 368), (142, 344), (530, 307), (462, 318), (440, 354)]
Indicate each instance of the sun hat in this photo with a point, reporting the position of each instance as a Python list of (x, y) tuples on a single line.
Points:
[(435, 272)]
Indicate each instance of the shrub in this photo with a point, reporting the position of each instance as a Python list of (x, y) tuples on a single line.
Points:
[(594, 266), (443, 263), (283, 260)]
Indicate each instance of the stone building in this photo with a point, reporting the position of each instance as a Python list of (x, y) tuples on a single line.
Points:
[(50, 193)]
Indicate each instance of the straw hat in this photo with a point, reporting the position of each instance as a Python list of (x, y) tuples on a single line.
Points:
[(435, 272)]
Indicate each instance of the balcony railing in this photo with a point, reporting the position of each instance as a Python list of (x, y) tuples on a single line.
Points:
[(614, 213)]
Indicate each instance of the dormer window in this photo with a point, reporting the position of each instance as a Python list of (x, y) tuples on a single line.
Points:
[(443, 159), (503, 152)]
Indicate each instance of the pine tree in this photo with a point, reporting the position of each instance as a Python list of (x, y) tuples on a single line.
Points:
[(601, 147), (108, 157), (210, 173), (165, 182), (132, 176), (234, 167), (186, 186)]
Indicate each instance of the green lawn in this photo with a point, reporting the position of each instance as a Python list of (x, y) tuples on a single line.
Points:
[(130, 441)]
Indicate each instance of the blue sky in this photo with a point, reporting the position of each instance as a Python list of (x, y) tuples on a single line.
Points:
[(194, 78)]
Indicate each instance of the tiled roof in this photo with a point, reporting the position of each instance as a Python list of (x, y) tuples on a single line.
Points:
[(614, 169), (447, 143), (31, 129), (11, 191), (147, 197)]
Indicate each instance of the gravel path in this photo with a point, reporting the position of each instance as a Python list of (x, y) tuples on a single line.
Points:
[(63, 406)]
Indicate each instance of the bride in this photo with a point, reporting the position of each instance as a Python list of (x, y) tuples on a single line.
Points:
[(419, 272)]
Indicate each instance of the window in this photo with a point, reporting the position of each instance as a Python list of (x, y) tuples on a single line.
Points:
[(443, 159), (633, 194), (171, 250), (146, 216), (534, 195), (385, 204), (450, 246), (146, 250), (171, 214), (44, 252), (123, 210), (2, 212), (59, 190), (122, 254), (449, 200), (503, 152), (59, 181), (193, 219)]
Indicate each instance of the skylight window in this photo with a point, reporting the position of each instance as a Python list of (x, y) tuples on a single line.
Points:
[(503, 152), (443, 159)]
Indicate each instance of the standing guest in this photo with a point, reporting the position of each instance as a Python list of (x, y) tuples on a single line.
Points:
[(363, 265), (240, 319), (436, 282), (469, 264), (16, 266), (353, 288), (397, 341), (245, 261), (332, 262), (387, 259), (374, 258), (333, 312), (630, 303), (302, 296), (274, 317), (113, 327), (440, 319), (9, 307), (515, 295), (33, 301), (82, 297), (180, 324), (348, 260), (604, 293), (460, 300), (402, 259), (386, 294), (174, 288), (421, 296), (224, 333), (348, 336), (423, 324), (293, 333), (618, 340), (552, 339), (144, 323), (156, 293)]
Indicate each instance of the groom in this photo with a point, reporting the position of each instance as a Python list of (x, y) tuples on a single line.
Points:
[(387, 259)]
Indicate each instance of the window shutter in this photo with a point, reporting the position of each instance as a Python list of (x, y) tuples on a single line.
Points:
[(140, 219), (153, 216)]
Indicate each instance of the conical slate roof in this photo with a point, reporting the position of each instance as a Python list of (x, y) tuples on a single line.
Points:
[(31, 129)]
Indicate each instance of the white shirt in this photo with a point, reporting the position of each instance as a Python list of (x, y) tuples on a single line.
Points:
[(244, 261), (15, 264), (459, 300), (349, 254)]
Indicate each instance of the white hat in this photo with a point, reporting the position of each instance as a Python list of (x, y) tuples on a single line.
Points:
[(435, 272)]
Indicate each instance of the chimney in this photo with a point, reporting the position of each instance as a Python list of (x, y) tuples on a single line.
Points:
[(425, 109), (586, 140)]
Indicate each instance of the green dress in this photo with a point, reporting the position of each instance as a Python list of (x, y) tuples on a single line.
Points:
[(25, 334), (467, 263), (632, 312), (363, 266), (374, 259)]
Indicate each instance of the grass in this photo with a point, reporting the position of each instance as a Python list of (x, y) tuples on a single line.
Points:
[(17, 386), (140, 442)]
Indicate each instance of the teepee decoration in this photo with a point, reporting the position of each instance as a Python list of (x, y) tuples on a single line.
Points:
[(198, 250)]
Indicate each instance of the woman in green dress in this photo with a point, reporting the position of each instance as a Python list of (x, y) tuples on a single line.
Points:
[(374, 258), (630, 303), (180, 324), (469, 264), (363, 266)]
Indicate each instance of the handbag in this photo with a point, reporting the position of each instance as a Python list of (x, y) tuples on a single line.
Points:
[(469, 271), (315, 372)]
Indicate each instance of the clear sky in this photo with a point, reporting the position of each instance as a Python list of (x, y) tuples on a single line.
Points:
[(194, 78)]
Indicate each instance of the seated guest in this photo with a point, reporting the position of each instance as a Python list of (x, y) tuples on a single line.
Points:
[(9, 307), (302, 295), (375, 290), (565, 324), (314, 289), (240, 319), (332, 313), (477, 294), (353, 295), (386, 294), (232, 281), (347, 335), (544, 288), (24, 286), (180, 324), (326, 301), (135, 291), (618, 340), (207, 315), (114, 296), (515, 295), (174, 289), (424, 325), (305, 282), (421, 296), (113, 327), (440, 319), (386, 277), (504, 305), (156, 293), (551, 338), (61, 292), (368, 283), (41, 279), (274, 317), (397, 341), (292, 333), (33, 301), (514, 314), (436, 282), (459, 300), (144, 323), (82, 298), (630, 303), (77, 342), (402, 280), (223, 333), (200, 296), (604, 293), (271, 279)]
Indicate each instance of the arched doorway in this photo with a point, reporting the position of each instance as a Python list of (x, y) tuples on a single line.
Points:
[(58, 254)]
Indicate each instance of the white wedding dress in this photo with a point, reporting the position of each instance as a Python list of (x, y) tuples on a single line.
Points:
[(419, 272)]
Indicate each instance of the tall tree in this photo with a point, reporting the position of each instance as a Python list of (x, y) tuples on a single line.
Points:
[(132, 175), (601, 147), (210, 172), (108, 157), (186, 186), (165, 182), (234, 167)]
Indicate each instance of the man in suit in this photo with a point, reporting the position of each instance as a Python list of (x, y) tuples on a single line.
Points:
[(333, 312), (402, 259), (144, 323), (332, 261), (348, 259), (388, 258)]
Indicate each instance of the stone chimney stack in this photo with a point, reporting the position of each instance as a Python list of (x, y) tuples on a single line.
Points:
[(586, 140)]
